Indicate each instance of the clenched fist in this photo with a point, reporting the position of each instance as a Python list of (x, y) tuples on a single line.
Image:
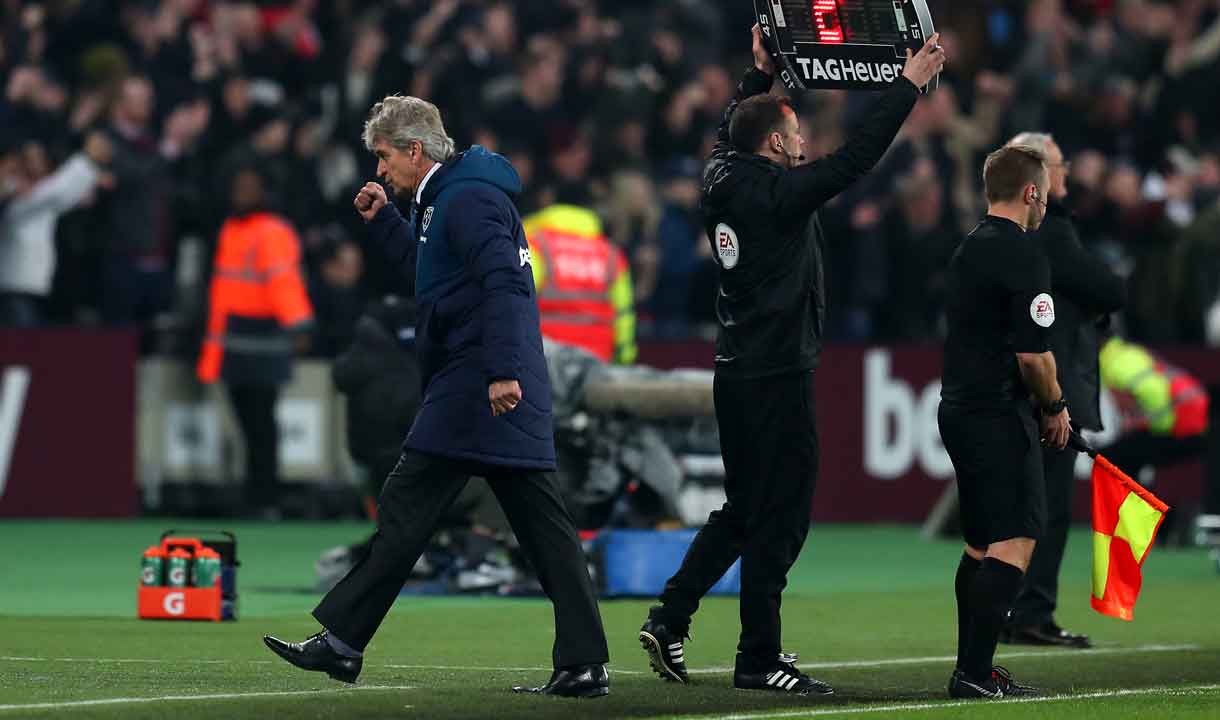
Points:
[(370, 200)]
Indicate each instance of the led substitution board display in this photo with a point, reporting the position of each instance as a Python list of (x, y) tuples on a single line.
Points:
[(842, 44)]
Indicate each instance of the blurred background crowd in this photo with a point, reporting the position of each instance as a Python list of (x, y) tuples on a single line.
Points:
[(124, 125)]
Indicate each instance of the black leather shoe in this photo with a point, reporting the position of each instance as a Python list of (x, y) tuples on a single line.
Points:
[(1047, 634), (580, 681), (316, 654)]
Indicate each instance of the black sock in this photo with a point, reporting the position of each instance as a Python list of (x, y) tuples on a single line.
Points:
[(992, 594), (341, 647), (966, 571), (676, 625)]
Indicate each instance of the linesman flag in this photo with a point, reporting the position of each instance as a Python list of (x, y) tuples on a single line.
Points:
[(1126, 517)]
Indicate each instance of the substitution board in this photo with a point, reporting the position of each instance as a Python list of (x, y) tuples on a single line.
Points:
[(843, 44)]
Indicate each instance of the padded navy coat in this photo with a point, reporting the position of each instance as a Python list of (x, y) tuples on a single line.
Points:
[(465, 257)]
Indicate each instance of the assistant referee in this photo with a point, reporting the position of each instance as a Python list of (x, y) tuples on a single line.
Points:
[(760, 211), (999, 309)]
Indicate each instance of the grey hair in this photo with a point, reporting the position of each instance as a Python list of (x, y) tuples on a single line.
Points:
[(400, 120), (1039, 141)]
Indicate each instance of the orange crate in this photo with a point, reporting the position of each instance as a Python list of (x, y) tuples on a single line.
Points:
[(179, 603)]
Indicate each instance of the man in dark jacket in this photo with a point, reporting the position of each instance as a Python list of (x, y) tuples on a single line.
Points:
[(486, 407), (760, 212), (1085, 290)]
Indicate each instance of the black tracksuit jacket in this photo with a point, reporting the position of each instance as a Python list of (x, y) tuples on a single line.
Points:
[(762, 222)]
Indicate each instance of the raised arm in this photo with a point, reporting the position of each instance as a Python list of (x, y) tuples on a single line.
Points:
[(804, 189), (59, 192), (390, 231), (757, 80)]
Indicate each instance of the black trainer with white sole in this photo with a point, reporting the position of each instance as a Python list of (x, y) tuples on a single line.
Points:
[(962, 687), (1009, 686), (782, 677), (666, 652)]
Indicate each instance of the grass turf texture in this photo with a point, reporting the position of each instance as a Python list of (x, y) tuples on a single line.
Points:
[(858, 595)]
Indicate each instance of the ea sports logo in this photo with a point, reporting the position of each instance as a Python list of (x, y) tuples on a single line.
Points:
[(727, 248), (174, 603), (1042, 310)]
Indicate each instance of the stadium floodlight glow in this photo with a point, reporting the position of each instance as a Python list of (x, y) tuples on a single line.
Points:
[(843, 44)]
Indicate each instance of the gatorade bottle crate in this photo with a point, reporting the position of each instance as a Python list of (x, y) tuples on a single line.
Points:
[(188, 578)]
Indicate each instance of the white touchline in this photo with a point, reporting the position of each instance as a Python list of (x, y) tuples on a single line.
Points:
[(190, 698), (833, 665), (395, 666), (158, 661), (392, 666), (1187, 690), (830, 665)]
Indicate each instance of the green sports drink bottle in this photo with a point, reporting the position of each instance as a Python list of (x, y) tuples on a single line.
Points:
[(207, 568), (178, 568), (152, 567)]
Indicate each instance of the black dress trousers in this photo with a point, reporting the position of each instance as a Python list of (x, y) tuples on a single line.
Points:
[(415, 497)]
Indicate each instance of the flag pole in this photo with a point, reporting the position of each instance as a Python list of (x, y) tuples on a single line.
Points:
[(1079, 444)]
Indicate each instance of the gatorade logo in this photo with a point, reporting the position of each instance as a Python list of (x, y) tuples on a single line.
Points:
[(177, 576), (13, 387), (174, 603), (149, 576), (727, 248)]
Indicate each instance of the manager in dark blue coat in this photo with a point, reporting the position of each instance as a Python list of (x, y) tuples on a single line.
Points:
[(486, 404)]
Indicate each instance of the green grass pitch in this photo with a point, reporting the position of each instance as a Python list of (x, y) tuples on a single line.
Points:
[(870, 609)]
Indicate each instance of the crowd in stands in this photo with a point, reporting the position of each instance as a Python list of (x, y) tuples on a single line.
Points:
[(124, 122)]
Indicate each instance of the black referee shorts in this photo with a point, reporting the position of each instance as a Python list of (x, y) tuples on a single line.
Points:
[(998, 460)]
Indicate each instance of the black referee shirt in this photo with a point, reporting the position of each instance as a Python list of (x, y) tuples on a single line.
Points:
[(762, 222), (998, 304)]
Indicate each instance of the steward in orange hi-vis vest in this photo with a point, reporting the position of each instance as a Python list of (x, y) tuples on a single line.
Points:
[(257, 296), (583, 283)]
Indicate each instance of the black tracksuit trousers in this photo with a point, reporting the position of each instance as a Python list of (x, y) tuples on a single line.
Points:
[(768, 438)]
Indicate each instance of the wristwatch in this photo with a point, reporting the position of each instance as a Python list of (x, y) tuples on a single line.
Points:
[(1056, 407)]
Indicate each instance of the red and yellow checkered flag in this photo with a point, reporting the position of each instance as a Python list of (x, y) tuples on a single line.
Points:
[(1125, 520)]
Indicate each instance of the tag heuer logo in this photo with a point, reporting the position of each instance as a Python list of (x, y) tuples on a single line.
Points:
[(427, 219)]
